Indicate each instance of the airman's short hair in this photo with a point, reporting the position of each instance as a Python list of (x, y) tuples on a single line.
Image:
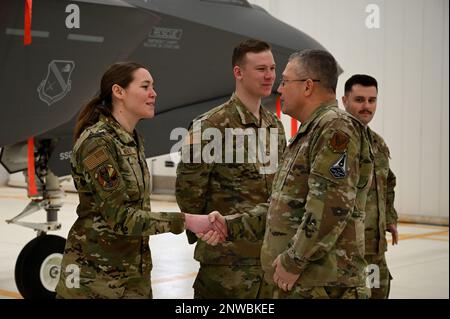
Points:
[(361, 79), (246, 46)]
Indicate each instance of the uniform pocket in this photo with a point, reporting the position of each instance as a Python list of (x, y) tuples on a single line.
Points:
[(132, 177)]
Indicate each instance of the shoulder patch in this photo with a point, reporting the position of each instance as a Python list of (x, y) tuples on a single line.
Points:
[(106, 175), (339, 142), (95, 159), (339, 169)]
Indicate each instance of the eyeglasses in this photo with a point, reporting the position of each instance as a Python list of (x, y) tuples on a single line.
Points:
[(283, 82)]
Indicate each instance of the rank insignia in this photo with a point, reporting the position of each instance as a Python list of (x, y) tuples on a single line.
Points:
[(339, 142), (338, 169), (106, 175)]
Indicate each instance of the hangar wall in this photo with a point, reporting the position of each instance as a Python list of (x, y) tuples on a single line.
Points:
[(408, 54)]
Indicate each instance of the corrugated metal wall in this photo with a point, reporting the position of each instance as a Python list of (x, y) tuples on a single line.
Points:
[(408, 54)]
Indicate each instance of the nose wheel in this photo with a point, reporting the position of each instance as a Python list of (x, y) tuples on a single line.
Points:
[(38, 267)]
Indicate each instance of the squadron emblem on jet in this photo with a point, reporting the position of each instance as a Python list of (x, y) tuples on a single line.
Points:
[(57, 82)]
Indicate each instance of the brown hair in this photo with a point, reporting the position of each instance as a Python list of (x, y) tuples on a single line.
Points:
[(119, 73), (250, 45)]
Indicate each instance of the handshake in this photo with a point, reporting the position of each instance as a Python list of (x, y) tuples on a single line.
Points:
[(211, 228)]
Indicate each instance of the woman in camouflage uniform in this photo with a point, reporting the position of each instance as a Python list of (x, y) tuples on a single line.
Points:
[(107, 252)]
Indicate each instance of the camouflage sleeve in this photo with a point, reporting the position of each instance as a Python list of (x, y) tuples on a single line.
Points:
[(248, 225), (192, 181), (98, 162), (334, 176), (391, 213)]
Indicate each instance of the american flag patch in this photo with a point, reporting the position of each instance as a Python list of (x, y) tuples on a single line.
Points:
[(96, 158)]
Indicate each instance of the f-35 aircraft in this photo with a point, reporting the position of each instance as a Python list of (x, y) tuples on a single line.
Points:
[(187, 46)]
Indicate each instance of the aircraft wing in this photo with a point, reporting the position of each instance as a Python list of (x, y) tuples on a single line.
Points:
[(186, 44)]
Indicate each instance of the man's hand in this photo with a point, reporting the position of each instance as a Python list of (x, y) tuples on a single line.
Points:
[(220, 225), (212, 237), (392, 228), (220, 229), (197, 223), (283, 279), (211, 228)]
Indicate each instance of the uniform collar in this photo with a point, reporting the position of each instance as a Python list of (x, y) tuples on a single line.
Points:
[(248, 118), (314, 116), (370, 134), (123, 135)]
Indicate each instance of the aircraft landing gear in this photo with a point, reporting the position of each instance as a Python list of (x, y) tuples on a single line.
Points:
[(38, 267)]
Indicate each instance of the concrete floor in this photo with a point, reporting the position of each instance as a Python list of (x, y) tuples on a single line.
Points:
[(419, 264)]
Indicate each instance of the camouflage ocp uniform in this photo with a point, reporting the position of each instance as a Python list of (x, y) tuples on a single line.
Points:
[(107, 251), (232, 269), (315, 218), (380, 212)]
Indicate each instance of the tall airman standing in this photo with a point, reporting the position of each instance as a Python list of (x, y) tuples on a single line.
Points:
[(360, 100), (239, 176)]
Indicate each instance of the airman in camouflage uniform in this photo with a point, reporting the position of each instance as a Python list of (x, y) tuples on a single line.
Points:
[(107, 253), (233, 269), (360, 100), (314, 230), (109, 242)]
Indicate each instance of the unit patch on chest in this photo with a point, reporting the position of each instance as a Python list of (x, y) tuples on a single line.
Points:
[(106, 175)]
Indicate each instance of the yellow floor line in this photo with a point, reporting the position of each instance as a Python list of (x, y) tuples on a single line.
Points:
[(174, 278), (14, 197), (66, 201), (414, 236), (11, 294), (437, 239), (424, 226), (16, 295)]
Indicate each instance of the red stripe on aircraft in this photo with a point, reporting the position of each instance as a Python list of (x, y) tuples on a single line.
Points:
[(294, 126), (32, 190), (278, 105), (27, 28)]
